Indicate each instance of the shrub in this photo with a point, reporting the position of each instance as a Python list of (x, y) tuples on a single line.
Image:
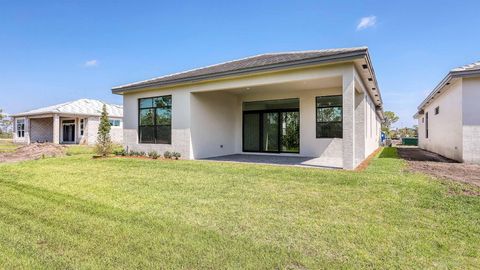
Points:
[(142, 154), (176, 155), (167, 155), (120, 152), (153, 155)]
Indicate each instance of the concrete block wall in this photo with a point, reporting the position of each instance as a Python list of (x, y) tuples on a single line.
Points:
[(41, 129)]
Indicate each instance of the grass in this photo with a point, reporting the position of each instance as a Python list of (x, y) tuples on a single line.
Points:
[(6, 145), (76, 212)]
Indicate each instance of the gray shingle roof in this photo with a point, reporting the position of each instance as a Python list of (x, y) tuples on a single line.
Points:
[(253, 63)]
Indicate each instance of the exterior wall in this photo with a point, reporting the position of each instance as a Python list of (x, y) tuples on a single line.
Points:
[(372, 127), (41, 129), (213, 124), (46, 130), (445, 129), (207, 117), (471, 120), (180, 123), (91, 131), (310, 146)]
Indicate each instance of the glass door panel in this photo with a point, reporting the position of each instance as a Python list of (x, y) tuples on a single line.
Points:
[(270, 140), (251, 132), (290, 132)]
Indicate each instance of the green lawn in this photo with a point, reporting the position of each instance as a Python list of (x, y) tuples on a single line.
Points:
[(76, 212), (6, 145)]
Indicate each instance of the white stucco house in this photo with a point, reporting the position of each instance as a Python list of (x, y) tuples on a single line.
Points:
[(74, 122), (322, 104), (449, 118)]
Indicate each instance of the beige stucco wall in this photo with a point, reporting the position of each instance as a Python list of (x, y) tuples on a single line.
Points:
[(310, 146), (372, 127), (180, 122), (207, 116), (445, 129), (214, 116), (471, 120)]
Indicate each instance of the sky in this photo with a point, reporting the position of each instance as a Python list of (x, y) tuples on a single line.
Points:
[(57, 51)]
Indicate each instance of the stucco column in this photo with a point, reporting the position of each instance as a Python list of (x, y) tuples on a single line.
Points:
[(56, 129), (349, 119), (360, 126), (27, 130)]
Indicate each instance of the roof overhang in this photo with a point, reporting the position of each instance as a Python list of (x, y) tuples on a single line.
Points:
[(360, 58), (340, 57), (449, 79)]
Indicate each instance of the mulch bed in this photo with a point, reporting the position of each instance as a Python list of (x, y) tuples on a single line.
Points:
[(362, 166)]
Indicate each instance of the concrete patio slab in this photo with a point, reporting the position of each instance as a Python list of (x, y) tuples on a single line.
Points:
[(311, 162)]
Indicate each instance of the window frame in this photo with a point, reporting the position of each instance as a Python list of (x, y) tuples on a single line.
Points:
[(82, 126), (426, 125), (154, 125), (316, 116), (111, 121), (23, 128)]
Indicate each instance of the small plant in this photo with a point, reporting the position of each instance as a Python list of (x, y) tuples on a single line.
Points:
[(104, 145), (142, 154), (120, 152), (176, 155), (167, 155), (153, 155)]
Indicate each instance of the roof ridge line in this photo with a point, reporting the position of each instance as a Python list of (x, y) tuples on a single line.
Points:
[(234, 60)]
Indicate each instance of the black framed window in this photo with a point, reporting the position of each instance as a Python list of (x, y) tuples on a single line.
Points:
[(155, 120), (329, 114)]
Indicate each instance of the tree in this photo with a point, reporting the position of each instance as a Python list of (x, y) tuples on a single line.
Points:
[(390, 119), (104, 145), (5, 125)]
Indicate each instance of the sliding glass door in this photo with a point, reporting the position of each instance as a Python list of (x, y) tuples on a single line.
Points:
[(290, 132), (271, 126)]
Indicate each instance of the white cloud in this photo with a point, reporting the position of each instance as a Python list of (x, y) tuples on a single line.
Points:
[(91, 63), (367, 22)]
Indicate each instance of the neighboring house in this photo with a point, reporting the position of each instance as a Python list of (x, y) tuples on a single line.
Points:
[(322, 104), (74, 122), (449, 118)]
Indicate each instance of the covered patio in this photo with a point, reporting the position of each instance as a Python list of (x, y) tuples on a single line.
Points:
[(53, 128), (312, 162)]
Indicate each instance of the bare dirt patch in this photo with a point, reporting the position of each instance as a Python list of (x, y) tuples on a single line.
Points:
[(33, 151), (433, 164)]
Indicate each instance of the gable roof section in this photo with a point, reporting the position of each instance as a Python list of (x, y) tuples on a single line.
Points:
[(257, 63), (470, 70), (78, 107)]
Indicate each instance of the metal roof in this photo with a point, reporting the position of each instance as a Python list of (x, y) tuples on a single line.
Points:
[(249, 64), (78, 107), (470, 70)]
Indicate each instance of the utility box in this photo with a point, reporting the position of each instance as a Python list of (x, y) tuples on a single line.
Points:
[(410, 141)]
